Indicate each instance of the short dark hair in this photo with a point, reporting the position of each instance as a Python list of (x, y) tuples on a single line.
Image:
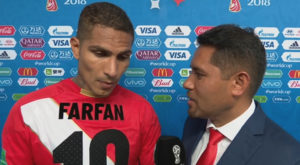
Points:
[(236, 49), (105, 14)]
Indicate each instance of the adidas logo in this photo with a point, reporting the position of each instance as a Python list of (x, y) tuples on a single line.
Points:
[(4, 55), (177, 31), (294, 45)]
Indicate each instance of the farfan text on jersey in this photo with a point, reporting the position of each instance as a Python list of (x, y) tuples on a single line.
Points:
[(88, 111)]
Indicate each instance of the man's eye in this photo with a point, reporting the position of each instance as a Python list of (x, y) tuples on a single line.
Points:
[(123, 57), (197, 74), (100, 54)]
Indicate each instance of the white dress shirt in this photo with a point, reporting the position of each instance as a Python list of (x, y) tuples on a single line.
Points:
[(229, 130)]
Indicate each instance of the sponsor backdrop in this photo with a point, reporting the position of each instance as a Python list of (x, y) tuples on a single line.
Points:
[(35, 51)]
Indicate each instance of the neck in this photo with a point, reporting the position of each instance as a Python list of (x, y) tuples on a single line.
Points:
[(232, 113)]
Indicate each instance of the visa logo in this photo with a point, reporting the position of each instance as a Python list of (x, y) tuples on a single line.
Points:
[(182, 55), (5, 81), (270, 44), (59, 43), (148, 30), (271, 84), (135, 82)]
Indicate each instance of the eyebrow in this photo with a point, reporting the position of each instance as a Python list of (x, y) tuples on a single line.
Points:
[(197, 69), (99, 48)]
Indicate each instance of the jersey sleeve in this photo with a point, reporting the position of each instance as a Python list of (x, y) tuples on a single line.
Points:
[(20, 145), (151, 131), (15, 140)]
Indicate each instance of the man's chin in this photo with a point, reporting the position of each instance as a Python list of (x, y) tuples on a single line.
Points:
[(194, 113)]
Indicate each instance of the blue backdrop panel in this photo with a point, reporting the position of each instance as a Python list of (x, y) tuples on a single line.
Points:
[(35, 51)]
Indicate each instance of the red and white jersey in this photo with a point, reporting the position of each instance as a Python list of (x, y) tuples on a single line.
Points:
[(62, 124)]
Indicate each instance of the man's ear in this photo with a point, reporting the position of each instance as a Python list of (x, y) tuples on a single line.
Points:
[(75, 43), (240, 83)]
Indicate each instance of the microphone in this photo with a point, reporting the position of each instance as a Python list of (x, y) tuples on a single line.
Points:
[(169, 151)]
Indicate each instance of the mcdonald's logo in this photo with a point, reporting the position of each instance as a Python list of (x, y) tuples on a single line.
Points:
[(27, 71), (294, 74), (162, 72)]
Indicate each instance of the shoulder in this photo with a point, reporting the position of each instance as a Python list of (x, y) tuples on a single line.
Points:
[(277, 135), (130, 96)]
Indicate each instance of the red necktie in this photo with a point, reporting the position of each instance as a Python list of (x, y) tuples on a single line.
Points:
[(208, 157)]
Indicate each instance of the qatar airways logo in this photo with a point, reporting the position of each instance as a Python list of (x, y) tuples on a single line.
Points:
[(7, 30), (32, 42), (147, 54), (28, 81), (177, 43), (60, 30), (294, 84), (7, 42), (162, 82), (32, 54)]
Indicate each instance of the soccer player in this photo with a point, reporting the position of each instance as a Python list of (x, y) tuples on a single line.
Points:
[(88, 119)]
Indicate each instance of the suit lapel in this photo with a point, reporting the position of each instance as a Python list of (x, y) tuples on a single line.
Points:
[(247, 141), (194, 129)]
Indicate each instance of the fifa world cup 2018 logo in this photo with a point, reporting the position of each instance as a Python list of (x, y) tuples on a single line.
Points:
[(51, 5), (235, 6), (176, 152)]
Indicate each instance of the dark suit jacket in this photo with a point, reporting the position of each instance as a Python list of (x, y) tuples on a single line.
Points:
[(259, 142)]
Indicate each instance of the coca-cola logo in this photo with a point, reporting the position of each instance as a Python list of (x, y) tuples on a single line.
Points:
[(201, 29), (32, 42), (33, 54), (7, 30)]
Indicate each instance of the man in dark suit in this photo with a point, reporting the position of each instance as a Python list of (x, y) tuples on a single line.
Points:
[(225, 125)]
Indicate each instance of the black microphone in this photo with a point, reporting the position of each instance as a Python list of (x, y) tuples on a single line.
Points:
[(169, 151)]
